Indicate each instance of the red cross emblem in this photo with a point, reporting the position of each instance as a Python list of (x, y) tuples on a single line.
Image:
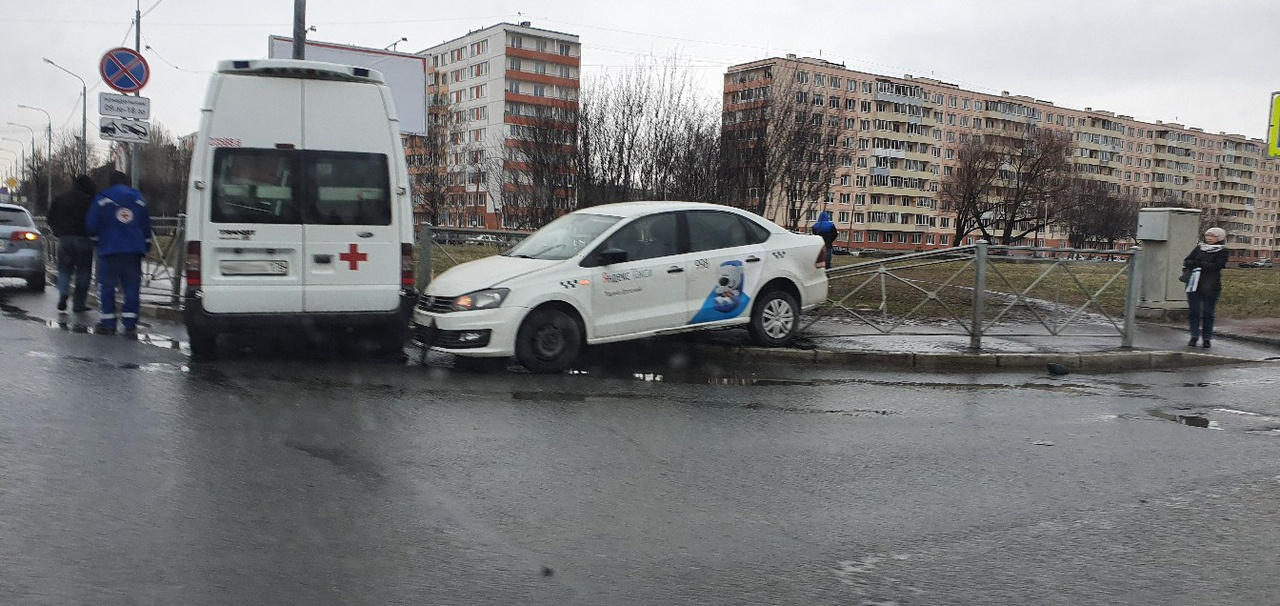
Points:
[(353, 256)]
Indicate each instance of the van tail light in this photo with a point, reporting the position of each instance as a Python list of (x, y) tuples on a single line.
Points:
[(24, 236), (821, 261), (406, 264), (192, 264)]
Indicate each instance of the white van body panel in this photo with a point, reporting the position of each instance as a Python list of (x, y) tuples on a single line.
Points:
[(242, 117), (364, 267), (298, 268)]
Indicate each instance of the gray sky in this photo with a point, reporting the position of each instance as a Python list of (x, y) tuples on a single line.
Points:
[(1209, 63)]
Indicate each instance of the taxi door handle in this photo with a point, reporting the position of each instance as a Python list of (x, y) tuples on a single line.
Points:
[(323, 258), (675, 269), (753, 259)]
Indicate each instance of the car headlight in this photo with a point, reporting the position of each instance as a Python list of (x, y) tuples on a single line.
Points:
[(480, 299)]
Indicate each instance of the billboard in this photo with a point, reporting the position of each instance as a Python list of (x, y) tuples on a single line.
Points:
[(406, 74)]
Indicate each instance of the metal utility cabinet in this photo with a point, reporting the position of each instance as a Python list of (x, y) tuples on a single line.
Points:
[(1167, 235)]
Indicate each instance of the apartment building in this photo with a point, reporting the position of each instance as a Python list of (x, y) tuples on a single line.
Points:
[(897, 138), (486, 89)]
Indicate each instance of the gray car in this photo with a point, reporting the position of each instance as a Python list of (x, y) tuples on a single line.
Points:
[(21, 247)]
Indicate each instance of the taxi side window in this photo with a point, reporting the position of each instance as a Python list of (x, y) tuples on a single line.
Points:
[(711, 230), (646, 237)]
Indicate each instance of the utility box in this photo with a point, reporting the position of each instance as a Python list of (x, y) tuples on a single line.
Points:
[(1166, 235), (1153, 226)]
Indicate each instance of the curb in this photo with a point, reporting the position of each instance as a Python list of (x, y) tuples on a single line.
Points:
[(1099, 362), (1095, 362)]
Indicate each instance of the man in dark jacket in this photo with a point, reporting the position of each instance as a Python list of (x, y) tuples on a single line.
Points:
[(119, 219), (75, 249)]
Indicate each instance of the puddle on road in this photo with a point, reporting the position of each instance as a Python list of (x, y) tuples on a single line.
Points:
[(1192, 420)]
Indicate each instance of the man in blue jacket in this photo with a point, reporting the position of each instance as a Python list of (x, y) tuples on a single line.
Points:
[(118, 218), (825, 228)]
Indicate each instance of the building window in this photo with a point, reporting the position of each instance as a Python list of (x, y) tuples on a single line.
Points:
[(802, 77), (516, 42), (565, 49), (513, 87)]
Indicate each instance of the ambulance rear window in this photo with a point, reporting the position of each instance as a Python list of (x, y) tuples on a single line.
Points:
[(350, 188), (254, 186)]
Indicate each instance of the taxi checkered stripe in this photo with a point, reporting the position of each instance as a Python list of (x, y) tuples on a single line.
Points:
[(568, 284)]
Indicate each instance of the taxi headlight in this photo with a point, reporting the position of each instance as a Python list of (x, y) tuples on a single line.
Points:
[(480, 299)]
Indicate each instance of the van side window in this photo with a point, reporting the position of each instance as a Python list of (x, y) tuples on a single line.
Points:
[(253, 186), (347, 188)]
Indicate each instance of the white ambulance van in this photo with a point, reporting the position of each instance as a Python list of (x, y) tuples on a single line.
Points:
[(298, 206)]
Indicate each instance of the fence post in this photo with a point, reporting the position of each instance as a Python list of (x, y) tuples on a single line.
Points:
[(179, 245), (979, 294), (423, 277), (1131, 298)]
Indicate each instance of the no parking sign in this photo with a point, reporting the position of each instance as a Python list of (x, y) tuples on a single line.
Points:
[(124, 70)]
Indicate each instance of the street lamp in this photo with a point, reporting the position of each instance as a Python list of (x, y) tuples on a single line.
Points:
[(392, 46), (22, 158), (84, 118), (48, 172)]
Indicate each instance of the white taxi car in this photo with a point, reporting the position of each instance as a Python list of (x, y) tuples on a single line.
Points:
[(624, 271)]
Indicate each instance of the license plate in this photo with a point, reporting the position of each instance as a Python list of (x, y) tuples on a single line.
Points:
[(254, 268)]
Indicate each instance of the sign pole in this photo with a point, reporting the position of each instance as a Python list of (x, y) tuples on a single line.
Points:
[(137, 46)]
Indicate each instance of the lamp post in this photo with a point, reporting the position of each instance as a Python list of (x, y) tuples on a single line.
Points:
[(33, 151), (392, 46), (84, 118), (48, 163), (22, 157)]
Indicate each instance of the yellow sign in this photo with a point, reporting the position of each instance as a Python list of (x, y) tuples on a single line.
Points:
[(12, 183), (1273, 133)]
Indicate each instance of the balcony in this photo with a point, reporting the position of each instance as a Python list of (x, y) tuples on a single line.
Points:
[(547, 79), (555, 58)]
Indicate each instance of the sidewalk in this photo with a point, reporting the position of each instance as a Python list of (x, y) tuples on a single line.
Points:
[(1156, 346)]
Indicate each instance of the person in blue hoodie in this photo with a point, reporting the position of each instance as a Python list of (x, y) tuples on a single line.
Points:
[(825, 228), (118, 218)]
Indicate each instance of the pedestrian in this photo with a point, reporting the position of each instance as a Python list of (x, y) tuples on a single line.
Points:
[(120, 221), (75, 249), (1204, 283), (825, 228)]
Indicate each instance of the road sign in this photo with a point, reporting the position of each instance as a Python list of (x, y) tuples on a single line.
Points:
[(124, 106), (119, 129), (11, 182), (1273, 133), (124, 70)]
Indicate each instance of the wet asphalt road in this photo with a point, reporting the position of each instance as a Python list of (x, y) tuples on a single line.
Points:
[(308, 474)]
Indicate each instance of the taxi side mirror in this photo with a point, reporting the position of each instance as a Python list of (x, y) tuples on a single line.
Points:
[(609, 256)]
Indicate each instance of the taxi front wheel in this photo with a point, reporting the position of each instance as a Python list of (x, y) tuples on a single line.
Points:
[(775, 319), (549, 341)]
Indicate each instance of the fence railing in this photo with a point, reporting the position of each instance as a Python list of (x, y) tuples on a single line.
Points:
[(161, 268), (982, 290)]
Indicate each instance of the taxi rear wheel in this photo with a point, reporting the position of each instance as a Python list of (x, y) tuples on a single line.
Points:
[(549, 341), (775, 319)]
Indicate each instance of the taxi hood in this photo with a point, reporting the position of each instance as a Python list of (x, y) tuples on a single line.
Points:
[(485, 273)]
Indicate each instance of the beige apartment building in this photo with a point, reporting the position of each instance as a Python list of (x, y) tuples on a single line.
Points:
[(485, 87), (897, 138)]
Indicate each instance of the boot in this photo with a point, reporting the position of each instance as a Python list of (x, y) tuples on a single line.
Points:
[(62, 302), (1208, 330)]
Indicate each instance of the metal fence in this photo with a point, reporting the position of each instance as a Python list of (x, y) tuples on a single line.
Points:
[(161, 268), (982, 290)]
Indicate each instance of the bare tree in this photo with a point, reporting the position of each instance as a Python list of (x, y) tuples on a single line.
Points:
[(965, 190), (1012, 185), (163, 166), (1034, 181), (538, 167), (780, 153), (1098, 216)]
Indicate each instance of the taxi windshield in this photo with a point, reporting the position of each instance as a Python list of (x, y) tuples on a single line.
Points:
[(563, 238)]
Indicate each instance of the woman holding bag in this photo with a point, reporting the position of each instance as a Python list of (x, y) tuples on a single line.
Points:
[(1204, 283)]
